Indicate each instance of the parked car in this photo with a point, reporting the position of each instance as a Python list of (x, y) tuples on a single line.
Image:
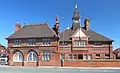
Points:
[(3, 59)]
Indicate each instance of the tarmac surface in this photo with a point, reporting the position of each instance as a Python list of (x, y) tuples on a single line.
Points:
[(57, 70)]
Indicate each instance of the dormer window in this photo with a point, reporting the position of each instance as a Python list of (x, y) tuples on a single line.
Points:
[(31, 42), (17, 42), (81, 43), (46, 42)]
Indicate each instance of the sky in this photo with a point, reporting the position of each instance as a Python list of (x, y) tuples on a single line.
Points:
[(104, 15)]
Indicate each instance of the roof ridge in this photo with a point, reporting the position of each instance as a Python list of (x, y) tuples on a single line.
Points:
[(37, 24)]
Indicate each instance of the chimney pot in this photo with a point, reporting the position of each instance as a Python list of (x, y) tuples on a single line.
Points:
[(87, 23), (17, 26)]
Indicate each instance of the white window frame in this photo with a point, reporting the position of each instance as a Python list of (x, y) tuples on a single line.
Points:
[(85, 57), (82, 43), (18, 57), (89, 56), (46, 56), (46, 42), (32, 56), (17, 42), (33, 41)]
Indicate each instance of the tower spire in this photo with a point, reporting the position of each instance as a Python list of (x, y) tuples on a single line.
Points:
[(76, 19), (76, 6), (76, 14)]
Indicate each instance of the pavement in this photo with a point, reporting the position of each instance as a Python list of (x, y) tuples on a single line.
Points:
[(60, 67), (51, 69)]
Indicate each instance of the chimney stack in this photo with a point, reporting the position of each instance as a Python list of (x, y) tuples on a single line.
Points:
[(17, 26), (57, 22), (56, 26), (87, 24)]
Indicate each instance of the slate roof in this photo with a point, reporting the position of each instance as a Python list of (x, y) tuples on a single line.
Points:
[(93, 36), (117, 50), (67, 35), (34, 30)]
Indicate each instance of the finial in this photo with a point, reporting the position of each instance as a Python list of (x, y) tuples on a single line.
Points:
[(68, 27), (57, 19), (76, 6), (17, 22), (87, 18)]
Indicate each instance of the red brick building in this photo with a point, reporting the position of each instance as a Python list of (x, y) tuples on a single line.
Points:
[(41, 45), (3, 49), (3, 55), (117, 53)]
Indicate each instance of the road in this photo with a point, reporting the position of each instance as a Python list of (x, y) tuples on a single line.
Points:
[(54, 70)]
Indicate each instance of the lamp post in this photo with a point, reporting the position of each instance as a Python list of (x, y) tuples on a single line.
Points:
[(61, 53)]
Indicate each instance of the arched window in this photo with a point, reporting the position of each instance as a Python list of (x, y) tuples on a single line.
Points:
[(18, 57), (32, 57)]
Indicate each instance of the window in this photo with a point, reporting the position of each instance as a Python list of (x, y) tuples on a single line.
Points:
[(76, 43), (107, 56), (31, 42), (97, 56), (17, 42), (89, 57), (81, 43), (18, 57), (85, 57), (70, 56), (46, 56), (32, 57), (80, 56), (46, 42), (97, 44), (64, 44), (74, 56)]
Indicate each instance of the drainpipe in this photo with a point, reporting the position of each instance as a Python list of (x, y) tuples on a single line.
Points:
[(109, 50)]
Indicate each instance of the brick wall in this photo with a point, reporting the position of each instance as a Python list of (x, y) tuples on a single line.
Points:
[(39, 42), (50, 63), (17, 64), (107, 63), (32, 63)]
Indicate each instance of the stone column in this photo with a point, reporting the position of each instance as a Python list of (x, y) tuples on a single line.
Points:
[(25, 53), (39, 58), (11, 58)]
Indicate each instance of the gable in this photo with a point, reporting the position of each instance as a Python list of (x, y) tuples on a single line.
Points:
[(79, 33)]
